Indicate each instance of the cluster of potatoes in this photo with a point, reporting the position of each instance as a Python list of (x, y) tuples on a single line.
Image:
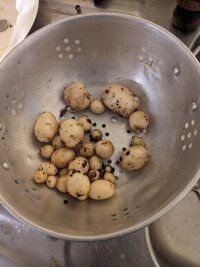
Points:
[(73, 164)]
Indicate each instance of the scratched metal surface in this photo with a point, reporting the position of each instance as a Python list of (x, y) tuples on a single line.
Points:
[(22, 246)]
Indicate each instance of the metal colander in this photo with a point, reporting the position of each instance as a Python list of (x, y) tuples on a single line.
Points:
[(98, 49)]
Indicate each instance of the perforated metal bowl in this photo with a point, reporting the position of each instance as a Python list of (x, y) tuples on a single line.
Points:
[(98, 49)]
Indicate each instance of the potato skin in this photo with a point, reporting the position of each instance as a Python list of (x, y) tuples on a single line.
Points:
[(77, 96), (101, 189), (71, 133), (138, 121), (104, 149), (78, 185), (134, 158), (62, 156), (119, 99), (46, 127)]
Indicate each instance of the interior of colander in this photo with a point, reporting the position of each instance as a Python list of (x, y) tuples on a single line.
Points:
[(97, 50)]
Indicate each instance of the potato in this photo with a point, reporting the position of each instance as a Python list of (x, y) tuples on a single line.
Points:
[(93, 175), (86, 150), (97, 107), (104, 149), (137, 141), (77, 96), (134, 158), (86, 123), (57, 142), (95, 163), (46, 127), (79, 164), (95, 135), (51, 181), (61, 184), (47, 151), (138, 121), (109, 177), (101, 189), (48, 167), (62, 156), (78, 185), (119, 99), (40, 177), (71, 133)]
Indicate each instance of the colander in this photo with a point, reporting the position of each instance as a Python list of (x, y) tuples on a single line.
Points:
[(98, 49)]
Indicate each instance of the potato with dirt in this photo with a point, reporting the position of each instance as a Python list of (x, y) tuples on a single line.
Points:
[(134, 158), (71, 133), (120, 99), (77, 96), (46, 127)]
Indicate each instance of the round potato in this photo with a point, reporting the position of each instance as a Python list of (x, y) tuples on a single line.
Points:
[(95, 135), (61, 184), (93, 175), (71, 133), (57, 142), (97, 107), (101, 189), (62, 156), (48, 167), (119, 99), (86, 150), (138, 121), (134, 158), (46, 127), (137, 141), (95, 163), (79, 164), (77, 96), (78, 185), (40, 177), (47, 151), (109, 177), (104, 149), (51, 181)]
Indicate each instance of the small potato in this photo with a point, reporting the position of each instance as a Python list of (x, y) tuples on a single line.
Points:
[(134, 158), (104, 149), (63, 171), (108, 168), (71, 133), (57, 142), (93, 175), (48, 167), (46, 151), (109, 177), (97, 107), (138, 121), (101, 189), (79, 164), (46, 127), (62, 156), (95, 163), (40, 177), (137, 141), (86, 150), (86, 123), (61, 184), (51, 181), (95, 135), (78, 185), (77, 96), (119, 99)]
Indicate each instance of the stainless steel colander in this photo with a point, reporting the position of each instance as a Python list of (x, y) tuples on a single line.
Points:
[(98, 49)]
